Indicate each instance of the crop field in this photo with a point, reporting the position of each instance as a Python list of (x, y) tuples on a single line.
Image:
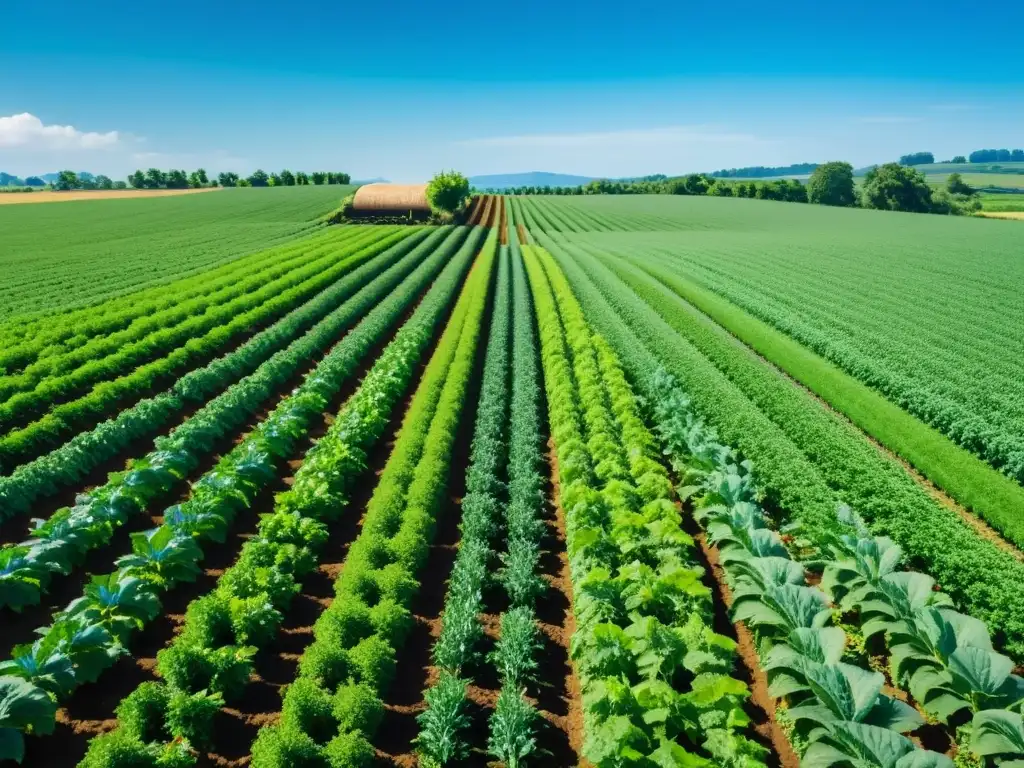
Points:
[(625, 482), (60, 256)]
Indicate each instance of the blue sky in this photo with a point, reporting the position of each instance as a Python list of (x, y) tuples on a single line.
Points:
[(403, 89)]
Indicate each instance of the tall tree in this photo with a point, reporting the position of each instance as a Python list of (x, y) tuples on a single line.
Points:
[(895, 187), (287, 178), (259, 178), (66, 180), (832, 184)]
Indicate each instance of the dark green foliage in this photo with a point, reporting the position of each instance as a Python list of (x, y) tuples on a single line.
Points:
[(439, 742), (917, 158), (832, 184), (895, 187)]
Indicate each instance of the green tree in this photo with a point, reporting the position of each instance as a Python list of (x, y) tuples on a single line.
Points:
[(104, 182), (137, 179), (66, 180), (895, 187), (120, 185), (832, 184), (259, 178), (275, 180), (34, 181), (228, 179), (203, 178), (154, 178), (448, 191), (917, 158), (959, 159), (956, 185), (176, 179), (194, 181), (319, 177), (287, 178), (301, 178)]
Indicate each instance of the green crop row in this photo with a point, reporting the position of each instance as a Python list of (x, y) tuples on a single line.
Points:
[(173, 354), (495, 482), (806, 458), (187, 318), (57, 257), (968, 479), (86, 637), (59, 544), (73, 328), (656, 678), (260, 363), (211, 661), (333, 710)]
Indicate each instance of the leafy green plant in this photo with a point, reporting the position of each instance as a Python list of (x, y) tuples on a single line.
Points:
[(512, 729), (439, 742)]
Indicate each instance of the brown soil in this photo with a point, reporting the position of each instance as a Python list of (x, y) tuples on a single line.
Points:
[(502, 221), (14, 198), (521, 230)]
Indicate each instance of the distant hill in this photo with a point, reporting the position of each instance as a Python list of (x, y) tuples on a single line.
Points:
[(529, 179), (6, 179)]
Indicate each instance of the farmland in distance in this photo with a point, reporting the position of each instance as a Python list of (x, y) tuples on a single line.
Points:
[(615, 480)]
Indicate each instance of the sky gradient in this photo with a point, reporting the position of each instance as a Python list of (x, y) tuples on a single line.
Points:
[(401, 90)]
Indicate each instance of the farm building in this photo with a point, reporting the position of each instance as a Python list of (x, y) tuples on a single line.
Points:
[(376, 200)]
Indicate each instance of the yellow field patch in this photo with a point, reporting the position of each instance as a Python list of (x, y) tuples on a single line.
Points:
[(1018, 215), (94, 194)]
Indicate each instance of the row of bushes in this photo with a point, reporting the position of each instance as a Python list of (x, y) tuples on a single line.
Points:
[(333, 709), (172, 356), (889, 187), (69, 533), (656, 678)]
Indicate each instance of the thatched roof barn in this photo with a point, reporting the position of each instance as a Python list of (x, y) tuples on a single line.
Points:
[(391, 200)]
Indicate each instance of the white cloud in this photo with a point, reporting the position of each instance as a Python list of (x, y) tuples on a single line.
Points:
[(29, 132), (668, 135), (888, 119)]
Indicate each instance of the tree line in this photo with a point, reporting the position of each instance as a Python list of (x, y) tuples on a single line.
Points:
[(154, 178), (888, 187), (977, 156)]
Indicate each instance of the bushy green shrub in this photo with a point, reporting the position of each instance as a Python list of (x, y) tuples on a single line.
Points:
[(448, 191), (373, 661), (141, 713), (349, 750), (310, 709), (284, 746), (191, 716), (357, 707)]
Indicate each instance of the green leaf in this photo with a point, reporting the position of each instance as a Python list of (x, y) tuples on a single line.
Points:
[(996, 732)]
